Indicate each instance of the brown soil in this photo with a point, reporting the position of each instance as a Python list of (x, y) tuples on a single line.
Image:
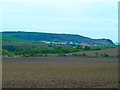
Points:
[(60, 72)]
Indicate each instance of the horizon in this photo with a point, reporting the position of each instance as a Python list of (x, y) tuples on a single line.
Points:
[(116, 43), (95, 19)]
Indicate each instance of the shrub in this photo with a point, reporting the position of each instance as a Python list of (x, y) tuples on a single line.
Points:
[(96, 53), (118, 55), (104, 55), (61, 54), (74, 54), (45, 55), (26, 55), (83, 54), (87, 48), (96, 48)]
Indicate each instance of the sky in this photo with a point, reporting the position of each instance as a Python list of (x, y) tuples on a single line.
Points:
[(91, 18)]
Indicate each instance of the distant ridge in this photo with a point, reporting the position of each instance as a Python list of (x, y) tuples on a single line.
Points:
[(20, 36)]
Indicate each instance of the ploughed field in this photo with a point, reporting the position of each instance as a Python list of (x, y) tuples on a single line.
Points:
[(60, 72)]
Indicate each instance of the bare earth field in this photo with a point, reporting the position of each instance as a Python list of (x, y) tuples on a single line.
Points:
[(60, 72)]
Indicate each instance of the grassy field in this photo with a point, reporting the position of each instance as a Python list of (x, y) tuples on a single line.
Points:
[(111, 52), (60, 72)]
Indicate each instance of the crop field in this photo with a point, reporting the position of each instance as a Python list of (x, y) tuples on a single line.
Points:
[(60, 72)]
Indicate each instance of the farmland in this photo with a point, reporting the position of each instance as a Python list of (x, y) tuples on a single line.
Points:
[(45, 62), (60, 72)]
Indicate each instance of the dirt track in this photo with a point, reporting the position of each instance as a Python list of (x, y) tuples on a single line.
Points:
[(60, 72)]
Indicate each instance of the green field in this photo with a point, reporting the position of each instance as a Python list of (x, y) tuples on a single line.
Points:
[(30, 49)]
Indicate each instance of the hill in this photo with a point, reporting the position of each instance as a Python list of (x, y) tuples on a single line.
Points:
[(53, 38)]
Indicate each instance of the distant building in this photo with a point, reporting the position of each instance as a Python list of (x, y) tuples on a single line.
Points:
[(47, 42), (71, 42), (83, 44)]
